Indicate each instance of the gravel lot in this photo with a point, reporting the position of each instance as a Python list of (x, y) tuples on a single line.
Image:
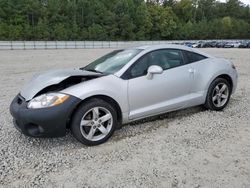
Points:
[(188, 148)]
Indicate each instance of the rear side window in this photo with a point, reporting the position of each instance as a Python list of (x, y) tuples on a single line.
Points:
[(193, 57)]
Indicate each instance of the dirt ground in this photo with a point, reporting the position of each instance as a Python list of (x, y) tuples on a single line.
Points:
[(188, 148)]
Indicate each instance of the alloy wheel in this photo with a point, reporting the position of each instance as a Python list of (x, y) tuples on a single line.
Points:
[(220, 95), (96, 123)]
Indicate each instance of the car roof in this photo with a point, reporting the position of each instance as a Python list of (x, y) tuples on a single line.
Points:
[(159, 46), (173, 46)]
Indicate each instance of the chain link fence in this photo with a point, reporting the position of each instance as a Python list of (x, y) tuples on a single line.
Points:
[(39, 45)]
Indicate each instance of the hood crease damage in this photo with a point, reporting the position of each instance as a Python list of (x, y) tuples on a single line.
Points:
[(55, 81)]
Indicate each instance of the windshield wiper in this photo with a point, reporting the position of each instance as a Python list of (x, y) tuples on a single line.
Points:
[(93, 70)]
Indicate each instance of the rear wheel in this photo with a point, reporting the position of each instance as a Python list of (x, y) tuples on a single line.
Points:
[(94, 122), (218, 95)]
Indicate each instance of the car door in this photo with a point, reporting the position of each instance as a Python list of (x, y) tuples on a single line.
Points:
[(199, 64), (164, 92)]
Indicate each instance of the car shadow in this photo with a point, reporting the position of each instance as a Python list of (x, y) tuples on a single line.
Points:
[(151, 123)]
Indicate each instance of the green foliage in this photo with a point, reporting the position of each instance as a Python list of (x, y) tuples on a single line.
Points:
[(123, 19), (163, 21)]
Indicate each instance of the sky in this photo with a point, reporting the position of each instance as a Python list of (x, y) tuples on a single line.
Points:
[(247, 2)]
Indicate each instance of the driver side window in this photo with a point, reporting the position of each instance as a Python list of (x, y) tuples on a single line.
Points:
[(165, 58), (141, 66)]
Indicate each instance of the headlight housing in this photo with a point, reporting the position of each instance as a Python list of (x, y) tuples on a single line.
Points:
[(47, 100)]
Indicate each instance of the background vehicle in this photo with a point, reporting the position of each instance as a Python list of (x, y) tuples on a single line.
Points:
[(245, 44), (232, 45), (220, 44), (120, 87)]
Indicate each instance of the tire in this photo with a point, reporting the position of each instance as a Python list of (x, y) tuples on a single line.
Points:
[(213, 95), (90, 124)]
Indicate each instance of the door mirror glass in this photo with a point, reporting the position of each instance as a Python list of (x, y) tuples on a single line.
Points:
[(154, 69)]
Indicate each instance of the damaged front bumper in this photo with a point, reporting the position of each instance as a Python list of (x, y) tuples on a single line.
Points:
[(43, 122)]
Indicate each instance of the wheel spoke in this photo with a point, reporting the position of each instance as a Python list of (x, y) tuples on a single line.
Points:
[(219, 102), (223, 96), (217, 89), (91, 133), (95, 112), (215, 98), (86, 122), (105, 118), (103, 130), (223, 88)]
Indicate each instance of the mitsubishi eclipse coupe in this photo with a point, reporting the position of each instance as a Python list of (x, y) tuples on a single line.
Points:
[(121, 87)]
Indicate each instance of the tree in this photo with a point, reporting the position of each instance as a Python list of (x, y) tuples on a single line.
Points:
[(143, 22), (41, 30), (184, 10), (59, 32), (96, 32), (123, 19), (163, 22)]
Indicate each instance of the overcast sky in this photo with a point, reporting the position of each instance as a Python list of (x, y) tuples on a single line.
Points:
[(244, 1)]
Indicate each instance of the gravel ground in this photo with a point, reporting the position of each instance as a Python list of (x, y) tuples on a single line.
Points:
[(188, 148)]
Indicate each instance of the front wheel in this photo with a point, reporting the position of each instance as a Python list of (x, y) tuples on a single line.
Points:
[(218, 95), (94, 122)]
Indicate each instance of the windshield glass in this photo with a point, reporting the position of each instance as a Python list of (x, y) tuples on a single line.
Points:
[(112, 62)]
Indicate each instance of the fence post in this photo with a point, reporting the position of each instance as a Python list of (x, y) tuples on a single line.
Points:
[(24, 45), (11, 46)]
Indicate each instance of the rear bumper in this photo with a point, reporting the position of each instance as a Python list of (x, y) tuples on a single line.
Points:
[(44, 122)]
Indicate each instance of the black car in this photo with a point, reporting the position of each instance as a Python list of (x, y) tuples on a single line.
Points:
[(220, 44), (244, 45), (210, 44)]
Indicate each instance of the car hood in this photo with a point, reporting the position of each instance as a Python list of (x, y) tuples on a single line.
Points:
[(41, 81)]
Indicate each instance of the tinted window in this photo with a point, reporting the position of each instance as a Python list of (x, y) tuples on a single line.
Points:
[(166, 59), (193, 57)]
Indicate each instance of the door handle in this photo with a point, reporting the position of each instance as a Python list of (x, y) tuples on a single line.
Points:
[(191, 70)]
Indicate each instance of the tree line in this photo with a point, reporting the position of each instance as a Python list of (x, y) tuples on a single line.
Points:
[(123, 19)]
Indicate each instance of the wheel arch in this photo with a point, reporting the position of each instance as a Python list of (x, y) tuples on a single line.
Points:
[(226, 77), (106, 98)]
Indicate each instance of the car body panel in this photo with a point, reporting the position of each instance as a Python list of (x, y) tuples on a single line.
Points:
[(43, 80), (110, 86), (164, 92)]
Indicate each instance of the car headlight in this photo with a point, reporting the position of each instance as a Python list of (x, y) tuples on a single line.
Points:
[(48, 100)]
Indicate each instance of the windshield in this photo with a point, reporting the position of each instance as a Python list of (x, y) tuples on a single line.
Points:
[(112, 62)]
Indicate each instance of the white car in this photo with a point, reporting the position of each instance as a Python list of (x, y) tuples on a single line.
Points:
[(121, 87), (232, 45)]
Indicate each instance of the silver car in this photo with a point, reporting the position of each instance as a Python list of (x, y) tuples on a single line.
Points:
[(121, 87)]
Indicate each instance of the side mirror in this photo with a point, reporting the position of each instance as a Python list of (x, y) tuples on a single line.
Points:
[(153, 69)]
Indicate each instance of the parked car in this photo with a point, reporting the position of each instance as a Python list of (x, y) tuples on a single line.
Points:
[(232, 45), (189, 44), (245, 44), (210, 44), (220, 44), (121, 87), (197, 44)]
